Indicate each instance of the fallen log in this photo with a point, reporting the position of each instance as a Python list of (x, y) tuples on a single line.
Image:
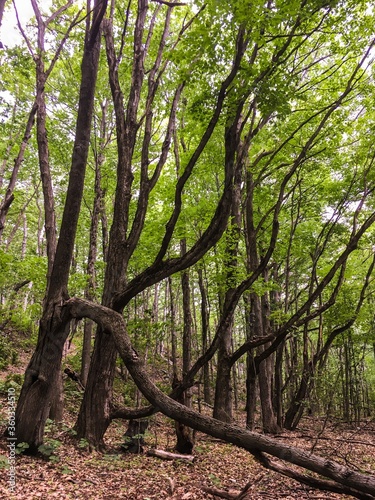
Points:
[(257, 444), (167, 455)]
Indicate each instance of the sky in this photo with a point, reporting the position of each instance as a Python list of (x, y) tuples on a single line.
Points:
[(10, 34)]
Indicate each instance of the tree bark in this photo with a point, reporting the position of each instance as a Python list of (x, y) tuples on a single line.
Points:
[(223, 403), (93, 244), (205, 333), (44, 368), (9, 196), (185, 438)]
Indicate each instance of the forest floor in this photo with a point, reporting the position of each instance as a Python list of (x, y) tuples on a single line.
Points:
[(73, 472)]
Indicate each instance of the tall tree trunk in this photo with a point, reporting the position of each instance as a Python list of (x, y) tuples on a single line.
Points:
[(223, 389), (91, 259), (95, 412), (259, 320), (188, 325), (185, 440), (266, 374), (56, 410), (223, 403), (251, 377), (44, 368), (172, 318), (205, 325), (9, 196)]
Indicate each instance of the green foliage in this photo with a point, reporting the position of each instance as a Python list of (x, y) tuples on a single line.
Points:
[(66, 470), (49, 448), (83, 444), (215, 480), (4, 464), (8, 354), (14, 380), (22, 448), (50, 445)]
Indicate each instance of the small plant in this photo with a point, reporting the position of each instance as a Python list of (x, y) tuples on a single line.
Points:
[(13, 380), (215, 480), (49, 448), (7, 352), (51, 426), (21, 448), (66, 470), (83, 444)]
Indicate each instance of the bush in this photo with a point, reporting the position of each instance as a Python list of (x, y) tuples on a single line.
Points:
[(14, 380), (8, 355)]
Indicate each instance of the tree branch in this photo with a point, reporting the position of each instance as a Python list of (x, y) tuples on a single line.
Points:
[(114, 323)]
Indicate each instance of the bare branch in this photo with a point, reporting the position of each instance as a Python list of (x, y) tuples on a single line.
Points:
[(170, 4)]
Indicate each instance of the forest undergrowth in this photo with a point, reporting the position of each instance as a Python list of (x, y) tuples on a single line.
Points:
[(68, 470)]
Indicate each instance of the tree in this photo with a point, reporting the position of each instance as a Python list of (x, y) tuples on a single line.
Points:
[(343, 479), (44, 368), (255, 116)]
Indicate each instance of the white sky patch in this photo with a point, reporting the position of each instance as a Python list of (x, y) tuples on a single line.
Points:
[(9, 34)]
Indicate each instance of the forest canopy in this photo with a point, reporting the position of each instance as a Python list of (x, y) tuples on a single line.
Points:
[(187, 197)]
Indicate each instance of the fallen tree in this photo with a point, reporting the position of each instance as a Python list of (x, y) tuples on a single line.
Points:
[(338, 478)]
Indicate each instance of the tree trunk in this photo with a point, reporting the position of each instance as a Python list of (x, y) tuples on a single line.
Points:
[(205, 326), (185, 438), (253, 442), (9, 196), (266, 373), (92, 254), (260, 322), (223, 403), (172, 309), (95, 412), (86, 350), (94, 416), (251, 376), (41, 374)]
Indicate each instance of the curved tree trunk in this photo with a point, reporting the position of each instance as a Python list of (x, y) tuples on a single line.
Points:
[(123, 239), (255, 443)]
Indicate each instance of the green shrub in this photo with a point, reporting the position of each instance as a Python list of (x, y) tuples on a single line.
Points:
[(14, 380), (8, 355)]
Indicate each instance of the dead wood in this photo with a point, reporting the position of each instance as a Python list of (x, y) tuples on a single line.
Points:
[(342, 477), (167, 455)]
